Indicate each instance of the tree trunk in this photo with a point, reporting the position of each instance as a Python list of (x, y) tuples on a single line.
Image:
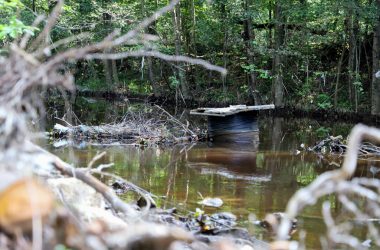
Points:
[(375, 88), (248, 38), (338, 73), (353, 29), (107, 64), (108, 72), (223, 18), (270, 34), (278, 85), (152, 30), (179, 74)]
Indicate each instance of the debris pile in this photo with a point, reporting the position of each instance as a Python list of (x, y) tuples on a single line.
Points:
[(337, 145), (143, 129)]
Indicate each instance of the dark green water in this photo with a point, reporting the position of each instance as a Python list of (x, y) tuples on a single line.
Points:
[(250, 179)]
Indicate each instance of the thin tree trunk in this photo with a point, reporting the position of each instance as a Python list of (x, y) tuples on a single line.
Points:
[(151, 29), (115, 76), (108, 72), (375, 88), (225, 45), (278, 84), (248, 38), (339, 70), (107, 64), (270, 27), (179, 74), (353, 27)]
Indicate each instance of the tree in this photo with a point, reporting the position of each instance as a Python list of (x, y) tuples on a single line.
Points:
[(249, 37), (375, 96), (279, 36), (14, 27)]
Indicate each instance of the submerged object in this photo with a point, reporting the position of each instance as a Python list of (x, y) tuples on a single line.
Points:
[(236, 123)]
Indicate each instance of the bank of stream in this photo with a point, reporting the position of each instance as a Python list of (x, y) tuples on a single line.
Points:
[(251, 179)]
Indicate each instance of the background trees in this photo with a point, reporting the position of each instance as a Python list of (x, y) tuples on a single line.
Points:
[(305, 53)]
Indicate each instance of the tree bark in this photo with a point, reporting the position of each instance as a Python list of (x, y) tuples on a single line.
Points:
[(278, 84), (375, 88)]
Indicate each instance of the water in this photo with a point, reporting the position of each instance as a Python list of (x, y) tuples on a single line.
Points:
[(250, 179)]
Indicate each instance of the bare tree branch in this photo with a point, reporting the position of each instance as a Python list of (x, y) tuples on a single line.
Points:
[(333, 181), (142, 53)]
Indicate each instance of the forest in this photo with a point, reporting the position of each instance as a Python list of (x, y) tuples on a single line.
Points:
[(304, 54), (189, 124)]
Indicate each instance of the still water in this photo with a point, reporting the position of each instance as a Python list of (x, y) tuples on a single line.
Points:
[(255, 178)]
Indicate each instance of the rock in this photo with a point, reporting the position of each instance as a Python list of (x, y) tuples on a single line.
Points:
[(89, 204), (120, 187), (76, 193), (283, 245), (367, 243), (147, 236), (21, 202), (211, 202), (272, 221), (224, 219), (142, 202), (224, 216)]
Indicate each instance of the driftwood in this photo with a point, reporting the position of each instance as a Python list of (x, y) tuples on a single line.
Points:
[(231, 110)]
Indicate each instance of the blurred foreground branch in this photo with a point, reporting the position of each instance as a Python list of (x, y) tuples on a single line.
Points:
[(337, 182)]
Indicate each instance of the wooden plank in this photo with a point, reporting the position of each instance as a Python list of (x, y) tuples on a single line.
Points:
[(233, 109)]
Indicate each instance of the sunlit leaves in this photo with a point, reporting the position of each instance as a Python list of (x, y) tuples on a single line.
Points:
[(13, 27)]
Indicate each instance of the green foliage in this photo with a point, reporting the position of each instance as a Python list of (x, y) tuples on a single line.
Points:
[(173, 82), (324, 101), (317, 34), (13, 27), (139, 87), (322, 132), (198, 212)]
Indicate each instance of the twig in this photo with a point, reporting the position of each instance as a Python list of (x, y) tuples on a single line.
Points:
[(96, 158), (176, 120)]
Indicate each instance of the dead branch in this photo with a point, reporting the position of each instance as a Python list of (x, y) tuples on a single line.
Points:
[(156, 54), (336, 182)]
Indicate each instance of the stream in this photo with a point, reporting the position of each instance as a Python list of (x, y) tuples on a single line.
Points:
[(252, 179)]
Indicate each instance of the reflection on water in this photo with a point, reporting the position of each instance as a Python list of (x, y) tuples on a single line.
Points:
[(252, 178)]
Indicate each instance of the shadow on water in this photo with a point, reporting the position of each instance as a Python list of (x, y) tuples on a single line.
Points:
[(257, 177)]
